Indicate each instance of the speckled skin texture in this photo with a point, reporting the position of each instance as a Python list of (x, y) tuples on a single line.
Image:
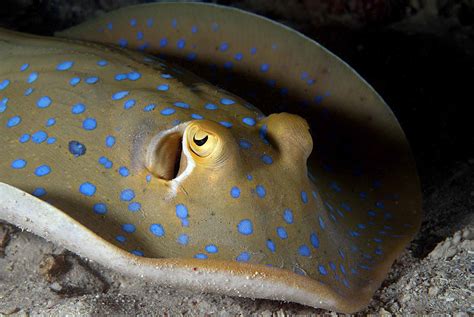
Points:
[(342, 225)]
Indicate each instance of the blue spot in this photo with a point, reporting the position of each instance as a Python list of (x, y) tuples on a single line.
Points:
[(194, 29), (163, 87), (24, 67), (24, 138), (127, 195), (271, 245), (134, 207), (50, 122), (267, 159), (39, 137), (102, 63), (314, 240), (18, 164), (92, 80), (39, 192), (249, 121), (13, 121), (109, 141), (346, 206), (238, 56), (166, 76), (64, 65), (122, 42), (322, 270), (134, 76), (263, 133), (128, 227), (288, 216), (243, 257), (235, 192), (260, 191), (211, 248), (139, 35), (181, 211), (28, 91), (120, 77), (210, 106), (100, 208), (200, 256), (149, 108), (249, 177), (321, 223), (304, 197), (196, 116), (180, 104), (191, 56), (87, 189), (32, 77), (43, 102), (224, 47), (89, 124), (148, 178), (181, 44), (74, 81), (361, 226), (281, 232), (123, 171), (253, 50), (129, 104), (245, 227), (149, 23), (120, 95), (157, 229), (183, 239), (78, 108), (42, 170), (226, 124), (163, 42), (244, 144), (4, 84), (264, 68), (3, 104), (304, 250), (137, 252), (167, 111), (120, 238), (174, 23), (133, 22), (379, 204), (227, 101), (76, 148)]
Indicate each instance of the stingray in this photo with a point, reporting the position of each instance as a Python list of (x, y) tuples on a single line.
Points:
[(208, 179)]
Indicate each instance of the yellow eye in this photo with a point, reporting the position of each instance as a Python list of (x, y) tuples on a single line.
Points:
[(201, 142)]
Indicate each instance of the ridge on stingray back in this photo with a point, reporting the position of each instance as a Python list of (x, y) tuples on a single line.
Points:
[(146, 168)]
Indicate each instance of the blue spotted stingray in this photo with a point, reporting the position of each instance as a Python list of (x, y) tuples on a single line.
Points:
[(127, 158)]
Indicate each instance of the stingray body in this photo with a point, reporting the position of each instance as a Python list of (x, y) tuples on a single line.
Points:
[(151, 170)]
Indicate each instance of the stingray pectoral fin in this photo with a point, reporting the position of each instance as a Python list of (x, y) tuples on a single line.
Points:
[(224, 277)]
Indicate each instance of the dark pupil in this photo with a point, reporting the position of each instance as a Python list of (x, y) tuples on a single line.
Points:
[(200, 142)]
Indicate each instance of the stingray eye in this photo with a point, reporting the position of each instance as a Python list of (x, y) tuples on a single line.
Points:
[(200, 142)]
